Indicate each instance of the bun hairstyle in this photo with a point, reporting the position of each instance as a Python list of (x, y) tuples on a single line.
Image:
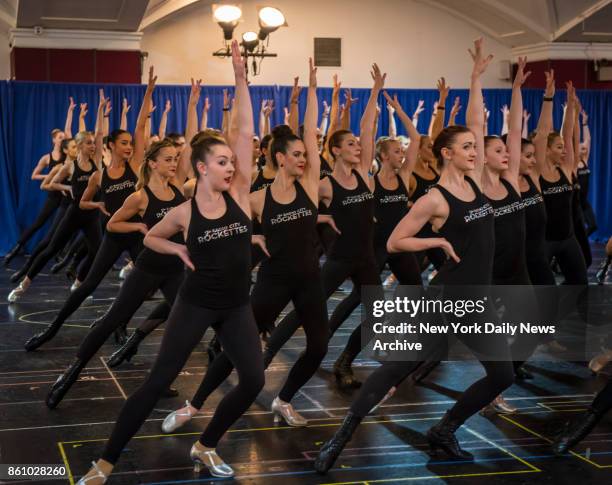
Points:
[(336, 140), (490, 138), (144, 175), (64, 146), (446, 138), (202, 145), (114, 136), (383, 145), (282, 135), (54, 132)]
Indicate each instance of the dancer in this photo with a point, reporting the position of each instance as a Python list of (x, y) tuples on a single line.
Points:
[(54, 199), (348, 195), (467, 240), (115, 183), (69, 155), (584, 176), (88, 161), (287, 210), (555, 177), (266, 175), (158, 190), (215, 293)]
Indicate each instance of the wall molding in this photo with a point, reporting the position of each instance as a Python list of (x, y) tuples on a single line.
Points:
[(543, 51), (75, 39)]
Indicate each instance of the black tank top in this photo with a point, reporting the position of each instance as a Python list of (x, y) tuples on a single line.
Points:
[(510, 264), (149, 260), (290, 235), (53, 162), (422, 185), (535, 220), (66, 199), (260, 182), (584, 176), (558, 200), (391, 206), (115, 191), (326, 170), (80, 179), (220, 250), (353, 213), (576, 197), (470, 229)]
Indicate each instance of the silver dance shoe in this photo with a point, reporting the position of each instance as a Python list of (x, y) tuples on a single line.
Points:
[(499, 405), (209, 458), (99, 475), (171, 423), (17, 293), (284, 410)]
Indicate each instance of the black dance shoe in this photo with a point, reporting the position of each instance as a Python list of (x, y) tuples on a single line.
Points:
[(343, 372), (64, 383), (42, 337), (522, 374), (442, 436), (330, 451), (575, 431), (127, 350), (120, 335), (12, 253)]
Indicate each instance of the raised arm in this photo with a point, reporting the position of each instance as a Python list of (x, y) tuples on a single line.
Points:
[(576, 141), (164, 120), (475, 115), (205, 109), (413, 149), (454, 112), (185, 169), (106, 126), (392, 125), (368, 121), (526, 116), (586, 136), (419, 109), (140, 137), (313, 162), (345, 118), (262, 118), (242, 142), (294, 112), (82, 113), (545, 122), (324, 119), (99, 134), (69, 113), (505, 118), (515, 124), (334, 122), (125, 107), (438, 124), (225, 123), (567, 131)]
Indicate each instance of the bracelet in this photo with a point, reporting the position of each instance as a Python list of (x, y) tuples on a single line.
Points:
[(551, 98), (585, 124), (226, 109), (107, 116), (441, 108)]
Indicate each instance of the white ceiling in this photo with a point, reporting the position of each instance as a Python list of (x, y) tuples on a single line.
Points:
[(511, 22)]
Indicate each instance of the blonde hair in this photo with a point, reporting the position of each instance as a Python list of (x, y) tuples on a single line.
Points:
[(81, 135), (144, 174)]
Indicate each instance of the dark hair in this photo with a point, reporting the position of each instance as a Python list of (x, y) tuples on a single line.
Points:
[(114, 135), (174, 137), (265, 142), (532, 135), (64, 146), (282, 135), (552, 136), (201, 145), (336, 140), (490, 138), (144, 175), (446, 138), (423, 140), (524, 141), (54, 132)]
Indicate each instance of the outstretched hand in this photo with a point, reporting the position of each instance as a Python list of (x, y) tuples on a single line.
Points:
[(312, 78), (550, 83), (480, 61), (521, 75), (238, 61), (378, 77)]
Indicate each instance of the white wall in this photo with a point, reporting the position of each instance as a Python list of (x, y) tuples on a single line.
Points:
[(5, 53), (413, 42)]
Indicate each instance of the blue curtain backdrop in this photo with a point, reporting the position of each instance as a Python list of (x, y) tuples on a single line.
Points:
[(29, 111)]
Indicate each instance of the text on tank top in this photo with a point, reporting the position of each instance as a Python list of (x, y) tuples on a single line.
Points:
[(584, 176), (510, 231), (391, 206), (220, 250), (470, 229), (325, 170), (290, 235), (558, 201), (535, 218), (353, 213), (149, 260), (115, 191), (422, 185), (260, 182)]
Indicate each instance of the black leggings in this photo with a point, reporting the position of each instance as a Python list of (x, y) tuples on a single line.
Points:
[(132, 294), (582, 238), (52, 203), (42, 245), (403, 265), (499, 376), (111, 248), (268, 299), (333, 274), (603, 401), (187, 323), (570, 258), (75, 219), (589, 218)]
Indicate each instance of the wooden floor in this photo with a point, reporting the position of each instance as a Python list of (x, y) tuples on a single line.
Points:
[(389, 447)]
